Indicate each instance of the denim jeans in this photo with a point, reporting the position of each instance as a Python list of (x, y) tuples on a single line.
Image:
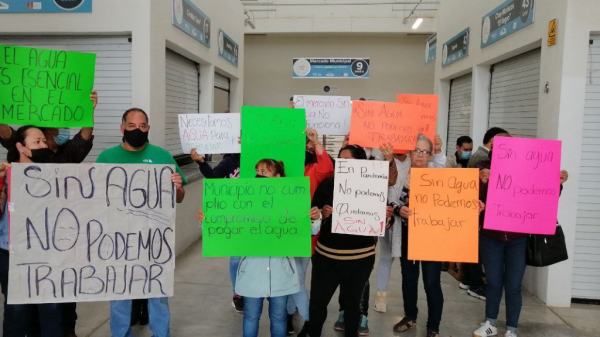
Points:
[(28, 319), (234, 263), (386, 260), (253, 308), (300, 299), (504, 264), (158, 312)]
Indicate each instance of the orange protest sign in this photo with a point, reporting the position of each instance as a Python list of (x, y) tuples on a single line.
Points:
[(375, 123), (445, 223), (428, 113)]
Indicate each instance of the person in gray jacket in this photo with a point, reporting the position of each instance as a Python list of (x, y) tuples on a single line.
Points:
[(464, 148), (271, 278)]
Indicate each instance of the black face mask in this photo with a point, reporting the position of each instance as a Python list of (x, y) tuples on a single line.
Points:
[(136, 138), (310, 158), (260, 176), (42, 156)]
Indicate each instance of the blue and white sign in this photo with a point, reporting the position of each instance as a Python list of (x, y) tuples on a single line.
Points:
[(228, 49), (331, 68), (45, 6), (506, 19), (191, 20), (430, 48), (456, 48)]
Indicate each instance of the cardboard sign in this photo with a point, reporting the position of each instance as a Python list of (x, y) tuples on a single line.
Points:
[(46, 88), (524, 186), (428, 114), (445, 223), (360, 197), (375, 123), (91, 232), (210, 133), (329, 115), (256, 217), (273, 133)]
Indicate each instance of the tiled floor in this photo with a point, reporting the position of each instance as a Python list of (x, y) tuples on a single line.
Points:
[(201, 307)]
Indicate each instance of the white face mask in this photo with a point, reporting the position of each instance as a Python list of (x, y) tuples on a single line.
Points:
[(369, 152)]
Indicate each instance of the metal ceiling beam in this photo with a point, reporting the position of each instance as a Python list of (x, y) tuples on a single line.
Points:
[(338, 4)]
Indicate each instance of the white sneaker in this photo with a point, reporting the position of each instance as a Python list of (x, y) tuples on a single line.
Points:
[(487, 329), (463, 286), (510, 334)]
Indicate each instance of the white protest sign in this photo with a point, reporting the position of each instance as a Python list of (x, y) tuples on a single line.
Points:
[(91, 232), (329, 115), (360, 197), (210, 133)]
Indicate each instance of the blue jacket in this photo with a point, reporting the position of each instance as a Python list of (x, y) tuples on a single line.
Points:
[(267, 277)]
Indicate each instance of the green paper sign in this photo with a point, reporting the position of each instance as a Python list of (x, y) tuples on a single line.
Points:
[(46, 88), (256, 217), (273, 133)]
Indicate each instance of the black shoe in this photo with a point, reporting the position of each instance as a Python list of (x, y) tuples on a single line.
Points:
[(304, 331), (290, 325), (433, 334), (404, 324), (478, 293), (238, 304), (445, 266)]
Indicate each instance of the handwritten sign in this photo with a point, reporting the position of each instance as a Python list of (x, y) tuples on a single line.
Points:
[(445, 224), (273, 133), (360, 197), (428, 113), (91, 232), (524, 186), (46, 88), (329, 115), (256, 217), (210, 133), (375, 123)]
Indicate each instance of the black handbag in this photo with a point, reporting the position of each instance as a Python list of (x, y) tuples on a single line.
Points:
[(546, 250)]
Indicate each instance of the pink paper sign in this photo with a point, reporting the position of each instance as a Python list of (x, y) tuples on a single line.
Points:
[(524, 186)]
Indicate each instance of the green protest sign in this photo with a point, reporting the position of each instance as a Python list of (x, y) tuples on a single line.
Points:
[(46, 88), (273, 133), (256, 217)]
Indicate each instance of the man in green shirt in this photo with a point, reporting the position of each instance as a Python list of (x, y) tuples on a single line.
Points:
[(135, 149)]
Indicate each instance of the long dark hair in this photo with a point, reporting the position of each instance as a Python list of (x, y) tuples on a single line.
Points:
[(19, 137), (357, 151)]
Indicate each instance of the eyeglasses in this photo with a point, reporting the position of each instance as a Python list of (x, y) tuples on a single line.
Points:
[(420, 152)]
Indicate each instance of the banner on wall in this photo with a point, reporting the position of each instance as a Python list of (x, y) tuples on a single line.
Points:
[(509, 17), (331, 67), (191, 20), (228, 49), (430, 48), (456, 48), (46, 6), (91, 232)]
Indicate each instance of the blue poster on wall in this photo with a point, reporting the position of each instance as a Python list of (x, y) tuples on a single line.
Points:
[(45, 6), (511, 16), (456, 48), (228, 49), (430, 48), (190, 19), (331, 68)]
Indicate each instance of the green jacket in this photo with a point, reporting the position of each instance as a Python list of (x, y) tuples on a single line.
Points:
[(479, 155)]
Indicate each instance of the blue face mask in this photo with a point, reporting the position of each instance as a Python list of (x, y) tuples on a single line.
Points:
[(466, 155), (63, 137)]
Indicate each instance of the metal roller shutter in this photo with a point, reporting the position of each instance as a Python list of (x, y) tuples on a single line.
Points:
[(333, 144), (183, 96), (586, 260), (514, 94), (113, 81), (221, 81), (459, 114)]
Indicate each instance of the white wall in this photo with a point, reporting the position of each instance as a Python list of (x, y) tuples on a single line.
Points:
[(397, 65), (560, 113), (148, 22)]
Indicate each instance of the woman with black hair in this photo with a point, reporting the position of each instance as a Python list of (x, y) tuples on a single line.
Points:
[(341, 260)]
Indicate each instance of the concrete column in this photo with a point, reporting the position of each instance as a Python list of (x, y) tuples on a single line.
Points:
[(480, 104), (207, 88)]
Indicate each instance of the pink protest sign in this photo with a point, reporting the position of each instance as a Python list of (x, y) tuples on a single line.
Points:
[(524, 186)]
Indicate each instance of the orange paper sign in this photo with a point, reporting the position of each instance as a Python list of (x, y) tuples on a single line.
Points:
[(445, 223), (375, 123), (428, 112)]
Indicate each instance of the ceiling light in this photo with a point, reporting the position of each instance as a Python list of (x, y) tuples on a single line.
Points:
[(417, 23)]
